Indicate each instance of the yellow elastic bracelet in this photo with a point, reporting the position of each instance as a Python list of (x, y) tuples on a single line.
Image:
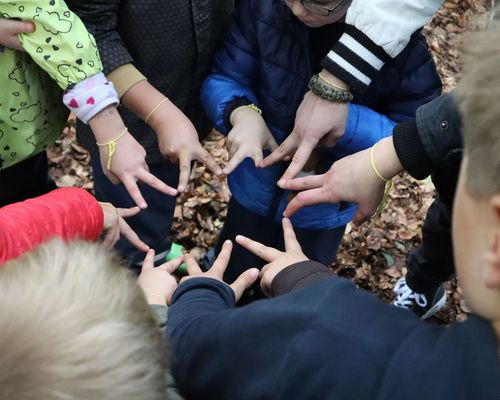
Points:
[(112, 147), (250, 106), (332, 84), (388, 183), (154, 109)]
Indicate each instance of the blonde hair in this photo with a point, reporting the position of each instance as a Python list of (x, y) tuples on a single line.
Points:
[(479, 93), (75, 325)]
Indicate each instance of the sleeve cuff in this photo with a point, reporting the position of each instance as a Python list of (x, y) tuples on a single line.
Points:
[(231, 106), (125, 77), (299, 275), (355, 59), (411, 151)]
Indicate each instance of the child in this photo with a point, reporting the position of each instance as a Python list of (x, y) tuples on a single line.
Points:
[(269, 55), (75, 325), (61, 56), (68, 213), (323, 338)]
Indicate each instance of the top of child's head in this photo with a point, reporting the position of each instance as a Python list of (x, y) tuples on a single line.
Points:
[(75, 325), (476, 215), (317, 13)]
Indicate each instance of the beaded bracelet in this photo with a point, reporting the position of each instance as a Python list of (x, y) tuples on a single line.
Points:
[(327, 92)]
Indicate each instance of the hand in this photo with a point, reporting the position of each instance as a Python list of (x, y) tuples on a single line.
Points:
[(9, 31), (247, 139), (129, 160), (277, 260), (244, 281), (157, 283), (317, 121), (349, 179), (114, 226), (178, 142)]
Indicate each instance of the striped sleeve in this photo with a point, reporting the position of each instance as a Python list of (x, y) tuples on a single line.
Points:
[(376, 31)]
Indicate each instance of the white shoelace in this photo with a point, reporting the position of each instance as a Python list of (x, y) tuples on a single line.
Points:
[(406, 297)]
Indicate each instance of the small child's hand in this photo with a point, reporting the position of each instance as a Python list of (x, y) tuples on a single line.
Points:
[(247, 138), (9, 31), (114, 226), (243, 282), (277, 260), (178, 142), (157, 283), (128, 162)]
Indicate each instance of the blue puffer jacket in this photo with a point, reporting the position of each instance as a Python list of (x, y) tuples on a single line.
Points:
[(266, 60)]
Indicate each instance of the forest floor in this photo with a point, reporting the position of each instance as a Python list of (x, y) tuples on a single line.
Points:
[(373, 254)]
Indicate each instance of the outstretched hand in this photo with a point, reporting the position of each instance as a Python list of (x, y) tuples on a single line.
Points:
[(317, 122), (115, 226), (243, 282), (351, 178), (157, 283), (277, 260)]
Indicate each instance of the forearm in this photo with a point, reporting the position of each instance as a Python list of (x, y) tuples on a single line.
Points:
[(377, 30)]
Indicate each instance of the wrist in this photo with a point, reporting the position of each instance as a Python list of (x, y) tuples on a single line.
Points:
[(155, 298), (245, 114), (106, 124), (386, 159), (332, 78)]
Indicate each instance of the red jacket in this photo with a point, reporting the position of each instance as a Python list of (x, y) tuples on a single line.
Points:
[(68, 213)]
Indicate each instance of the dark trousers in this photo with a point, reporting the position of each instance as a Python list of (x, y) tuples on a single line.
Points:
[(153, 224), (25, 180), (432, 262), (319, 245)]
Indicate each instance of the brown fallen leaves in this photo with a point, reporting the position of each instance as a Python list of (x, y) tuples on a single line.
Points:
[(372, 255)]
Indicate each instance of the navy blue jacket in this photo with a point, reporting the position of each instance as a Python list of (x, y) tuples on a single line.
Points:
[(266, 60), (323, 340)]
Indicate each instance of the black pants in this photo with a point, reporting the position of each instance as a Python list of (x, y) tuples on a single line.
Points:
[(320, 245), (432, 263), (25, 180)]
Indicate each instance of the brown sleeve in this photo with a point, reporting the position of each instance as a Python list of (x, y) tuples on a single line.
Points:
[(125, 77)]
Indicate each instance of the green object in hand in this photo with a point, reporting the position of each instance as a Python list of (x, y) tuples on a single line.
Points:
[(176, 251)]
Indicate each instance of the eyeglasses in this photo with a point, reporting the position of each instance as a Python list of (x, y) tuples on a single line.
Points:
[(316, 8)]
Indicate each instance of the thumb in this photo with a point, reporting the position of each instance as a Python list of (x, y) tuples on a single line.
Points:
[(244, 281)]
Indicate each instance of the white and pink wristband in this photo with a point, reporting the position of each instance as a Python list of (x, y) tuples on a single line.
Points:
[(90, 96)]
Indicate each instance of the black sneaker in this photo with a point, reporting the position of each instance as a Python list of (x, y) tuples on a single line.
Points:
[(425, 305)]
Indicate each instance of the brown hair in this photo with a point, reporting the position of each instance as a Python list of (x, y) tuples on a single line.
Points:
[(75, 325), (479, 93)]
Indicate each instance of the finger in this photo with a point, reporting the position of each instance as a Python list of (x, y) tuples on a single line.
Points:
[(19, 26), (149, 261), (307, 182), (149, 179), (266, 253), (299, 160), (234, 162), (192, 266), (361, 216), (257, 158), (128, 212), (307, 198), (184, 170), (244, 281), (134, 192), (272, 144), (205, 157), (131, 236), (220, 263), (172, 265), (291, 242), (287, 147)]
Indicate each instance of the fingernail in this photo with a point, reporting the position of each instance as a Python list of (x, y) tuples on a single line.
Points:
[(286, 220), (281, 182), (180, 189), (227, 242), (254, 273), (284, 213)]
